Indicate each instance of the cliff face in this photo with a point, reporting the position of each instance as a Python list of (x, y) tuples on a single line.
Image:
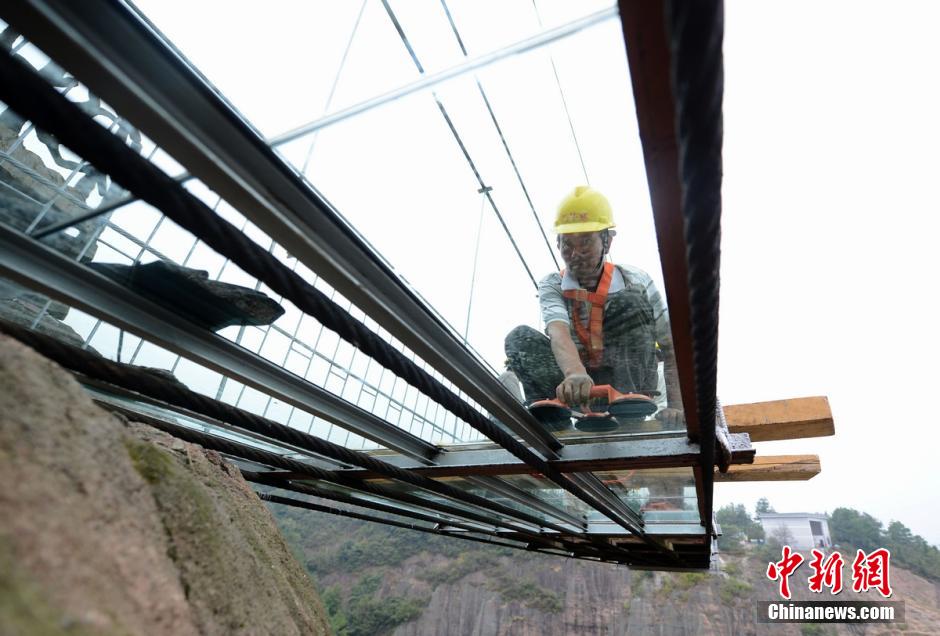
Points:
[(109, 527), (460, 588)]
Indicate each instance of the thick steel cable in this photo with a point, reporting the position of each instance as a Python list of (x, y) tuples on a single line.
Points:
[(303, 471), (291, 484), (597, 547), (313, 491), (696, 32), (140, 381), (26, 92), (453, 130), (267, 479), (502, 138)]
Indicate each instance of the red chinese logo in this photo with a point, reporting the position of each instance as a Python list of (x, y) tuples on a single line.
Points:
[(783, 569), (871, 571), (826, 573)]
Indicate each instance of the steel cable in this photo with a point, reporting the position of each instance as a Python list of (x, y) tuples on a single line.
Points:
[(696, 33)]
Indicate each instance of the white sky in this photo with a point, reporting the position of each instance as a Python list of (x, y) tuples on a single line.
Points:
[(829, 216)]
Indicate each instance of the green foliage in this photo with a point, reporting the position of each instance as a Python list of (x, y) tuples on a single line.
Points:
[(527, 592), (334, 544), (733, 590), (688, 580), (362, 614), (150, 462), (638, 581), (736, 526), (380, 616), (763, 506), (465, 563), (769, 551), (680, 583), (816, 629), (859, 529)]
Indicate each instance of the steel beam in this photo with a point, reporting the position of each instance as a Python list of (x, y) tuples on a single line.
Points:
[(664, 452), (39, 267), (520, 496), (433, 79)]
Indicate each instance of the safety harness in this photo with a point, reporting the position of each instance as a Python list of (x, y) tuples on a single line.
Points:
[(592, 335)]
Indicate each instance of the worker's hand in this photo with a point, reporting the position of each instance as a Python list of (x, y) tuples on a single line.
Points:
[(671, 417), (575, 389)]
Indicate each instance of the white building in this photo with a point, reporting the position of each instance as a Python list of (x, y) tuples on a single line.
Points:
[(799, 530)]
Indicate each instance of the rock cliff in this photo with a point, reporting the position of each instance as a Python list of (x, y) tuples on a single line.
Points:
[(459, 588), (110, 527)]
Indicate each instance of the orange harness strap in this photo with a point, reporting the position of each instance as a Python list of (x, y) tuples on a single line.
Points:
[(592, 336)]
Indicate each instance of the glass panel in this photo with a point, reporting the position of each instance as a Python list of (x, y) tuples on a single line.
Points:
[(659, 494)]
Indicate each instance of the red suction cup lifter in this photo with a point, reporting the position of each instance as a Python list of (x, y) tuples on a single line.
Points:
[(554, 414), (625, 405)]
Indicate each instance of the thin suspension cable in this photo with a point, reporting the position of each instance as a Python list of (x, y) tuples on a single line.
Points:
[(502, 138), (531, 43), (463, 148), (339, 71), (476, 256), (564, 102)]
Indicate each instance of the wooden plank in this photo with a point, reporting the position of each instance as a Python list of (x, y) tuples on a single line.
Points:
[(782, 419), (774, 468)]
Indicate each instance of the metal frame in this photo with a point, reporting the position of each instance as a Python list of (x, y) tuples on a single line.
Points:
[(129, 67), (540, 39), (650, 59), (672, 451), (123, 61)]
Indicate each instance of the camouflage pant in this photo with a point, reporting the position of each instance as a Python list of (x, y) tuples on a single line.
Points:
[(629, 361)]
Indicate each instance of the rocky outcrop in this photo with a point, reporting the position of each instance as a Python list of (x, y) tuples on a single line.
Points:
[(25, 308), (210, 303), (467, 589), (33, 192), (109, 527)]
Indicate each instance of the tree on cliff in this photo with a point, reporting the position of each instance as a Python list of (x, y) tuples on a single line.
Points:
[(861, 530), (763, 506), (736, 525)]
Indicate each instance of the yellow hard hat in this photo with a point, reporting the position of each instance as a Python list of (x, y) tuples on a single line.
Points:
[(584, 210)]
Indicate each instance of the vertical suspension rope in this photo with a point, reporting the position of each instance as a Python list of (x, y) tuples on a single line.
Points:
[(476, 257), (564, 102), (339, 71), (502, 138), (450, 124)]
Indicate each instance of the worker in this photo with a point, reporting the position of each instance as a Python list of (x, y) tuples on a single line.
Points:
[(605, 323)]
